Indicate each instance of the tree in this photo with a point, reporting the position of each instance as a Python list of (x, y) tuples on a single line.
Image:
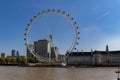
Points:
[(31, 60), (13, 60), (18, 60), (2, 60), (7, 60), (24, 60)]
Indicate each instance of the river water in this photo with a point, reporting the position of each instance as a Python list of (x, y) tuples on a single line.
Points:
[(39, 73)]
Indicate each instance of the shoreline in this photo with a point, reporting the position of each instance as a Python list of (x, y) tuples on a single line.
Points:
[(58, 66)]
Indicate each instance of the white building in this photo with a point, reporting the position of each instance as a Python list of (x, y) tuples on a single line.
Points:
[(43, 48), (96, 58), (79, 58)]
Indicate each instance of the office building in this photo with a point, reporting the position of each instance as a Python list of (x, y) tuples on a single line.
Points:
[(54, 52), (17, 54), (3, 55), (43, 48), (13, 53)]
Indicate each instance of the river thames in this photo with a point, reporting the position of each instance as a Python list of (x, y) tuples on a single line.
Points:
[(39, 73)]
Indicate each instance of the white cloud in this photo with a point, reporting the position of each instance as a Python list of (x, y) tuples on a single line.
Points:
[(106, 13)]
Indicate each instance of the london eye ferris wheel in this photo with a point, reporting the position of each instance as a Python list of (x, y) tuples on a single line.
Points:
[(75, 37)]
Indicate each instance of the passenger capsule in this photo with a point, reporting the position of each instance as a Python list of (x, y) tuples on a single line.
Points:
[(26, 29), (28, 24), (72, 18), (77, 43), (43, 11), (77, 27), (74, 22), (48, 10), (31, 20), (68, 15), (25, 34), (24, 38), (35, 16), (63, 12), (58, 10), (53, 10), (39, 13)]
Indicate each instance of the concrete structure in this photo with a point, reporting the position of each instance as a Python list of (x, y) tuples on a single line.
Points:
[(110, 58), (54, 52), (3, 55), (43, 48), (96, 58), (79, 58), (28, 52)]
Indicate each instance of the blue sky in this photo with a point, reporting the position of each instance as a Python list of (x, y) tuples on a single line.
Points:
[(98, 21)]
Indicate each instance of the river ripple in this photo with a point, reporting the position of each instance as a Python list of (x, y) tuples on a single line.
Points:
[(39, 73)]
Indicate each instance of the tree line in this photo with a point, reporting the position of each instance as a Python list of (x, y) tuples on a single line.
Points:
[(17, 60)]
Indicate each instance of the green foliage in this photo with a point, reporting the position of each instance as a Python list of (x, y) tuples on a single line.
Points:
[(13, 60), (7, 60), (18, 59), (24, 60), (2, 60), (31, 60)]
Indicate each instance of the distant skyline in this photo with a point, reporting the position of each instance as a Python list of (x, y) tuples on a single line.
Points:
[(98, 21)]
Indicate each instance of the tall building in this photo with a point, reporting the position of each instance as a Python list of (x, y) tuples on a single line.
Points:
[(54, 52), (42, 47), (17, 54), (13, 53), (28, 52), (2, 55)]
